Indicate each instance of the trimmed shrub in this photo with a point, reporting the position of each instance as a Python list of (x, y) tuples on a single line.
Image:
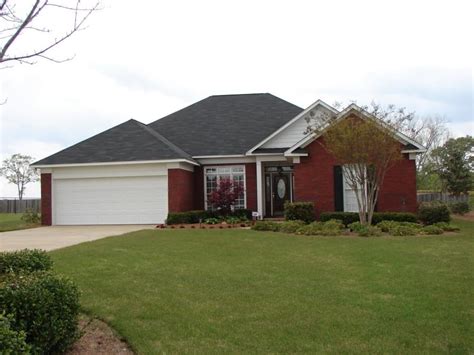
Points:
[(321, 228), (345, 217), (459, 207), (12, 341), (356, 226), (402, 230), (43, 305), (431, 229), (431, 213), (242, 213), (393, 216), (299, 211), (387, 226), (31, 216), (369, 231), (26, 260), (265, 226), (333, 224), (187, 217), (351, 217), (191, 217), (290, 226), (212, 220), (446, 227)]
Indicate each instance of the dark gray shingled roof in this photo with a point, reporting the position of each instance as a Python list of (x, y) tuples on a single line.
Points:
[(129, 141), (218, 125), (226, 124)]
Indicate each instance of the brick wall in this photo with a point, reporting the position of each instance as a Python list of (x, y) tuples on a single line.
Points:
[(314, 178), (314, 181), (398, 192), (46, 200), (180, 190)]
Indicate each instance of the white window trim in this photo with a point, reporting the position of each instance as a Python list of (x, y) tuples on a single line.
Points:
[(224, 166), (344, 192)]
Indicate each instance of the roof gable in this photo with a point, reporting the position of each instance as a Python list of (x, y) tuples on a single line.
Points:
[(294, 130), (410, 145)]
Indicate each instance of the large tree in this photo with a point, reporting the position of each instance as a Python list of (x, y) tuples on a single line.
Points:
[(365, 143), (22, 19), (454, 163), (16, 170)]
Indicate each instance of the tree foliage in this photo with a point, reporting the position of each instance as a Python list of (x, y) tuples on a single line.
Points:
[(223, 198), (16, 170), (454, 163), (367, 149)]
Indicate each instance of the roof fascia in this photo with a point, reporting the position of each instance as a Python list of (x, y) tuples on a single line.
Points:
[(115, 163)]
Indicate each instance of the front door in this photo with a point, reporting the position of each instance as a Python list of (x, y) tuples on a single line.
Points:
[(281, 192), (278, 189)]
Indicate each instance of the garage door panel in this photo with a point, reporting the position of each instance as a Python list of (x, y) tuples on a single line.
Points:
[(127, 200)]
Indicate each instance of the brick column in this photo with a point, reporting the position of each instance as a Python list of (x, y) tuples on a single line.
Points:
[(46, 200)]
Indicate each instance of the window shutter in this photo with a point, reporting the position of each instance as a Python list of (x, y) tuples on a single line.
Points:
[(338, 189)]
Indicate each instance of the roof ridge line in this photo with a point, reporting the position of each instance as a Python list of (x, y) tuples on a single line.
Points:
[(164, 140)]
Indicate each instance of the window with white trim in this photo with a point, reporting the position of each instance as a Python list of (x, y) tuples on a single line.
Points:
[(212, 176)]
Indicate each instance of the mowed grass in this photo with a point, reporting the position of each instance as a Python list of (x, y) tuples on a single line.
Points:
[(12, 221), (240, 291)]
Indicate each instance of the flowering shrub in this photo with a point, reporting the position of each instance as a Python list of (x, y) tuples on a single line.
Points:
[(223, 198)]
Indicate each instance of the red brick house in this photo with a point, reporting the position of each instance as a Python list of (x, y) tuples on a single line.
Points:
[(135, 173)]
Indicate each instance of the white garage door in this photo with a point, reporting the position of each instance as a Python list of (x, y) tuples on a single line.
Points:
[(122, 200)]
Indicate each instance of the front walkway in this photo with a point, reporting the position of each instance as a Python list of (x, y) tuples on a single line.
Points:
[(55, 237)]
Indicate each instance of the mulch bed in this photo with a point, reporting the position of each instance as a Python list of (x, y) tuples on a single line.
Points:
[(98, 338)]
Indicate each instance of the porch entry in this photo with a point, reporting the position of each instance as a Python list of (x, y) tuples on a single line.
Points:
[(278, 189)]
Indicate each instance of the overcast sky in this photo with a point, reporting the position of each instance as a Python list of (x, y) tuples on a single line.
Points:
[(146, 59)]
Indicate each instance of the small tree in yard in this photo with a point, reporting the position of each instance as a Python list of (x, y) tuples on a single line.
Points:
[(16, 170), (223, 198), (454, 163), (367, 147)]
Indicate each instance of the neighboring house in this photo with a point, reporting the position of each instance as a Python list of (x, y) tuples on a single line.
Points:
[(137, 173)]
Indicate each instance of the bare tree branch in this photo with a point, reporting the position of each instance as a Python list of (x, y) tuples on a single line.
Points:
[(23, 23)]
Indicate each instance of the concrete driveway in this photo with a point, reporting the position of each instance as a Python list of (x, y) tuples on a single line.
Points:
[(55, 237)]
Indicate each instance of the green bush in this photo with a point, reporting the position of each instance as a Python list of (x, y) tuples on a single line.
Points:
[(351, 217), (446, 227), (242, 213), (31, 216), (191, 217), (265, 226), (431, 229), (356, 226), (369, 231), (27, 260), (387, 226), (212, 220), (333, 224), (290, 226), (393, 216), (346, 217), (187, 217), (431, 213), (459, 207), (43, 305), (12, 342), (328, 228), (299, 211), (402, 230)]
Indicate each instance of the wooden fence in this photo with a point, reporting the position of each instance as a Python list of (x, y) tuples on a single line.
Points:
[(439, 196), (17, 206)]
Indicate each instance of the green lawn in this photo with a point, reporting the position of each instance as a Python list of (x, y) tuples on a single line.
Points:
[(240, 291), (12, 221)]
